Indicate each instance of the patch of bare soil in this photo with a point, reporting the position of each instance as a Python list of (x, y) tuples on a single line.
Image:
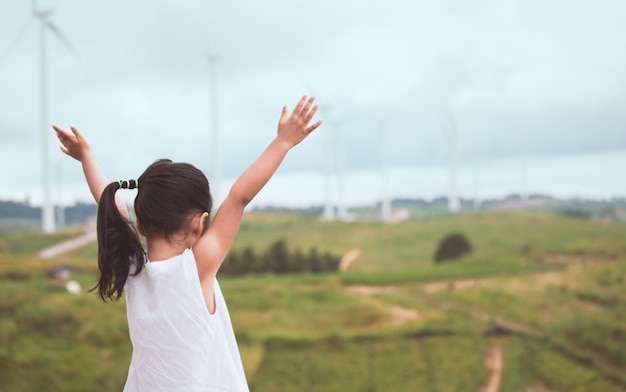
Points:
[(537, 388), (398, 315), (349, 258), (493, 362), (368, 290), (435, 287), (516, 283)]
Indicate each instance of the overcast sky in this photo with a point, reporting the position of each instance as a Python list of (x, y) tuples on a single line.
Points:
[(534, 86)]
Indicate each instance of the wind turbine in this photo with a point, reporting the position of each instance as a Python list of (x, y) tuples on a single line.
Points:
[(213, 106), (329, 209), (477, 198), (342, 210), (45, 24), (215, 157), (330, 157), (331, 154), (385, 200), (452, 132)]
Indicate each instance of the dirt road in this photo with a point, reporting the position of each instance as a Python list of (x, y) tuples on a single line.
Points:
[(68, 245)]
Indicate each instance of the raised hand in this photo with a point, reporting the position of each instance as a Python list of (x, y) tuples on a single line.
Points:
[(294, 127), (72, 144)]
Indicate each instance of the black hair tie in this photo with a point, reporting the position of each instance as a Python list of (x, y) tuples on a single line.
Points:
[(132, 184)]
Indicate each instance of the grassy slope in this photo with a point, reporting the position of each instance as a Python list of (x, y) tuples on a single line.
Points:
[(561, 279)]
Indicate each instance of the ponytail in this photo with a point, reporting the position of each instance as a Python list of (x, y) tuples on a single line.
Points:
[(119, 246)]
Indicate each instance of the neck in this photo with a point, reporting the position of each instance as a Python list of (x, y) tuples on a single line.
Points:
[(160, 248)]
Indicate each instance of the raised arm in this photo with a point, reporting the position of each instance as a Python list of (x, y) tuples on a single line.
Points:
[(75, 145), (212, 247)]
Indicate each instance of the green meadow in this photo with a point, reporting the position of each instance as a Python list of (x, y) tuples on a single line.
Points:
[(539, 305)]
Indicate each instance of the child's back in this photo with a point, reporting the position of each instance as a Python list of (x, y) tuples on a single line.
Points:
[(177, 343)]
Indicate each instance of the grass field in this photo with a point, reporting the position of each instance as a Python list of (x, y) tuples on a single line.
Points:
[(546, 293)]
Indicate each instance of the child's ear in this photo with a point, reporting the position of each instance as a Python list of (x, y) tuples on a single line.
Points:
[(201, 223), (204, 221)]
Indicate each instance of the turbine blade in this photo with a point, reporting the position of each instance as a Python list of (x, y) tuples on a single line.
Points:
[(62, 38), (17, 39)]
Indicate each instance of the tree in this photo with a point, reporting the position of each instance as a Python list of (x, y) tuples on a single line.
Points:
[(451, 247)]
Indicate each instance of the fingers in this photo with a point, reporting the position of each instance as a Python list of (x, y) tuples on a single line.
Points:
[(298, 108), (311, 113), (62, 134), (59, 131), (305, 107), (313, 127), (304, 112), (284, 114), (75, 132), (71, 143)]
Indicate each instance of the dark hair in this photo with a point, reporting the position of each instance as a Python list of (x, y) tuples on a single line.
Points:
[(169, 194)]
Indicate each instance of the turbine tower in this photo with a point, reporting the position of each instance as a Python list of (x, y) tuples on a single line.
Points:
[(477, 198), (215, 157), (330, 156), (385, 200), (329, 209), (342, 210), (213, 118), (43, 16), (453, 198)]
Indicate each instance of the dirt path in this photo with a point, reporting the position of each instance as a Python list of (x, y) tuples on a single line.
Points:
[(493, 362), (68, 245), (398, 315), (348, 259)]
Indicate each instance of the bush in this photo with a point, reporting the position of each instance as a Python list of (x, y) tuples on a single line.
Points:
[(576, 213), (451, 247), (278, 259)]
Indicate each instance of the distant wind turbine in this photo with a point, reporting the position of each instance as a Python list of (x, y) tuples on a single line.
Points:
[(477, 198), (213, 114), (452, 132), (342, 210), (215, 156), (331, 154), (385, 200), (60, 210), (329, 209), (43, 16)]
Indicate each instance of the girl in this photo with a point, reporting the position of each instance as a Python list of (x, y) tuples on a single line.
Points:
[(179, 325)]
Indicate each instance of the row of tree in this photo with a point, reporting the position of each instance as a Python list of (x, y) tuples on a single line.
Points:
[(278, 259), (79, 213)]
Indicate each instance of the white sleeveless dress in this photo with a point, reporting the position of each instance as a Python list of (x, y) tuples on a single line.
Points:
[(177, 344)]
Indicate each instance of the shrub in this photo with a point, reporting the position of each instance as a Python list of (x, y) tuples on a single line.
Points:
[(278, 259), (451, 247)]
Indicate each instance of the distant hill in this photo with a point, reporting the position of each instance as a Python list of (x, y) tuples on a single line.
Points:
[(22, 216), (12, 211), (613, 210)]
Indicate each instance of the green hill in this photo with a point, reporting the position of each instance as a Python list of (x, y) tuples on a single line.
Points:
[(541, 297)]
